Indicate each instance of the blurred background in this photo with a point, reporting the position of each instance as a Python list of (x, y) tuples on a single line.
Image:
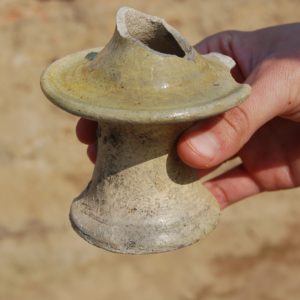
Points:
[(253, 254)]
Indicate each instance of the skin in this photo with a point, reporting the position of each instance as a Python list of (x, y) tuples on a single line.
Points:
[(263, 131)]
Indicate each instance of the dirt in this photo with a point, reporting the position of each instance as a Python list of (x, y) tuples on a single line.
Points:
[(253, 254)]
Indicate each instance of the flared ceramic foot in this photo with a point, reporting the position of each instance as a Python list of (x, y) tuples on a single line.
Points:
[(152, 235)]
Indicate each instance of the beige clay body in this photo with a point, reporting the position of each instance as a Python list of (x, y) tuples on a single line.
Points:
[(144, 88)]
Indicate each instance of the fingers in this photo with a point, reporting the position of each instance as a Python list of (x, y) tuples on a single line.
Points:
[(86, 131), (272, 155), (213, 141), (271, 161), (92, 152), (220, 42), (233, 186), (228, 43)]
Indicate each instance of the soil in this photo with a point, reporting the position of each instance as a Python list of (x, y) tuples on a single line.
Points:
[(253, 254)]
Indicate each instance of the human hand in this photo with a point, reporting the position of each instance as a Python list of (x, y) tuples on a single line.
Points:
[(262, 131)]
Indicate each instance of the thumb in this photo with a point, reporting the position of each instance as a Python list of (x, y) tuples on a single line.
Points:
[(212, 141)]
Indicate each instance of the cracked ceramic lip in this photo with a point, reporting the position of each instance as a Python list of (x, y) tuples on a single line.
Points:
[(123, 31), (197, 111)]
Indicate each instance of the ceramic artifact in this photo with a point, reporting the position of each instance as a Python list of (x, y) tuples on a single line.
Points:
[(144, 88)]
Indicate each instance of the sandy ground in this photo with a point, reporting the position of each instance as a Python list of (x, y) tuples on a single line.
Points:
[(253, 254)]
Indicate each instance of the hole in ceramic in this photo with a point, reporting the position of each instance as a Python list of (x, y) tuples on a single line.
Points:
[(152, 33)]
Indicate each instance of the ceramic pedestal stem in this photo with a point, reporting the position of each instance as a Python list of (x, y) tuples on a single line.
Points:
[(142, 198)]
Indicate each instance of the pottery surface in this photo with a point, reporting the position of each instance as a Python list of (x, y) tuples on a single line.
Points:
[(145, 87)]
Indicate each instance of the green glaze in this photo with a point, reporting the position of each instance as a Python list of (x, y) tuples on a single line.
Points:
[(130, 81)]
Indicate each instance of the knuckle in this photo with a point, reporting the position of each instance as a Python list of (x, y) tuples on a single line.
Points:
[(221, 195), (281, 178), (237, 120), (287, 179)]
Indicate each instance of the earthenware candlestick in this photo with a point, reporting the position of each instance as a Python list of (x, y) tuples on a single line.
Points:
[(144, 88)]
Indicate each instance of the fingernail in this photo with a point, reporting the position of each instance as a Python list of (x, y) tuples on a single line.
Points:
[(205, 145), (217, 193)]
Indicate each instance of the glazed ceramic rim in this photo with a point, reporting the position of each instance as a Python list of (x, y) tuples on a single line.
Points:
[(98, 113)]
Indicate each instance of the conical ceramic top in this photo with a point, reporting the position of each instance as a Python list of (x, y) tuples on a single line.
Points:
[(147, 73)]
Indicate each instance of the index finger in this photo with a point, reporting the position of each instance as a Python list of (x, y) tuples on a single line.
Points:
[(86, 131)]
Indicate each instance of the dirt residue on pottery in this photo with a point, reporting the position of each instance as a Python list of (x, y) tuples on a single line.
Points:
[(144, 88)]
